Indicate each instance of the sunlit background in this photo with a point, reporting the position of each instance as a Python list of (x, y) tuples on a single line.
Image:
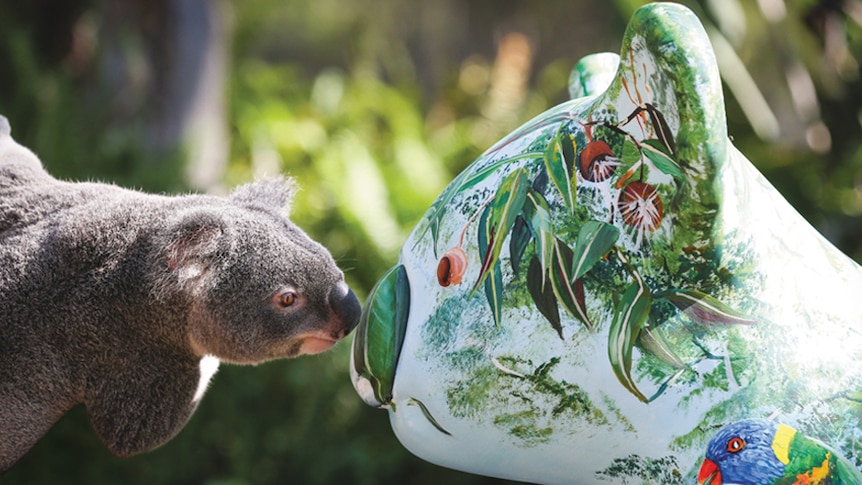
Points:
[(374, 106)]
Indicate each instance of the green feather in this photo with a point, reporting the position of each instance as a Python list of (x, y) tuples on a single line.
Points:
[(815, 459)]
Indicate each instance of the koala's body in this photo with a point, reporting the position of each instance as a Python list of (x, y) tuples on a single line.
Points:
[(111, 298)]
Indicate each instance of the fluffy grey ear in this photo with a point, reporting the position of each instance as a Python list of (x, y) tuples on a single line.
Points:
[(5, 129), (191, 243), (269, 193)]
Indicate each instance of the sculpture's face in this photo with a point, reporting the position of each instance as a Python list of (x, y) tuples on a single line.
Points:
[(602, 290)]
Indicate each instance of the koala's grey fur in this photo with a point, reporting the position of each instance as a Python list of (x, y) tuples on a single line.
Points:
[(111, 298)]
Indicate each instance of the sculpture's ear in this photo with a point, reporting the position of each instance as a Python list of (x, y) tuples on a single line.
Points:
[(659, 108), (273, 193), (668, 71), (593, 74)]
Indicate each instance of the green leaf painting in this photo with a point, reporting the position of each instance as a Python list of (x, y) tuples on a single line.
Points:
[(518, 242), (595, 240), (662, 130), (657, 154), (630, 153), (493, 285), (559, 158), (520, 212), (704, 309), (563, 282), (502, 212), (543, 295), (629, 318), (655, 344), (494, 293), (538, 217)]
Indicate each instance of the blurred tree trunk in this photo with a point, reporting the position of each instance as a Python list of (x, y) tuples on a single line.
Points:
[(165, 63)]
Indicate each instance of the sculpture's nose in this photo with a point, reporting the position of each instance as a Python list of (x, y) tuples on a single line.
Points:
[(378, 339), (346, 306)]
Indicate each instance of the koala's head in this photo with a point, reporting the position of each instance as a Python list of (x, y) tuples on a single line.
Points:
[(259, 287)]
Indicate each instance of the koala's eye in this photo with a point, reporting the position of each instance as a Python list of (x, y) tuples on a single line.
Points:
[(286, 299)]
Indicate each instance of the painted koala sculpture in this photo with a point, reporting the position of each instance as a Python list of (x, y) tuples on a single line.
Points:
[(614, 293)]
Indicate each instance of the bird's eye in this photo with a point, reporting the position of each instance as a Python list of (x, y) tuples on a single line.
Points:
[(285, 299), (735, 444)]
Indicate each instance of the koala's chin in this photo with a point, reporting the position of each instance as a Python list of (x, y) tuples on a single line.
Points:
[(315, 345)]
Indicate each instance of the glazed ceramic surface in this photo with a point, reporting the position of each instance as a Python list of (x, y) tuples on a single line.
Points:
[(614, 294)]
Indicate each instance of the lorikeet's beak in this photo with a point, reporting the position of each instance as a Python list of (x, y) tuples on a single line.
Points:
[(709, 473)]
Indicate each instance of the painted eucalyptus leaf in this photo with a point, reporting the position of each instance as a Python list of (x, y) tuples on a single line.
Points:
[(704, 309), (520, 238), (657, 153), (662, 129), (559, 167), (494, 284), (653, 342), (542, 293), (629, 318), (499, 219), (538, 217), (631, 153), (563, 278), (595, 240)]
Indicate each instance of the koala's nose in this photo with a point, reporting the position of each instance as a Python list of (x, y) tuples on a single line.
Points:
[(346, 306)]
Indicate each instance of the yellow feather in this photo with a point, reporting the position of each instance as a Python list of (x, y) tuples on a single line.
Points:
[(781, 442)]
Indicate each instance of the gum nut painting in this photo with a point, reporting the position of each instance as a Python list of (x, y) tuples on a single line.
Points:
[(614, 294)]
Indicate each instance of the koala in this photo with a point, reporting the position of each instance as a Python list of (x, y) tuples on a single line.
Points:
[(114, 298)]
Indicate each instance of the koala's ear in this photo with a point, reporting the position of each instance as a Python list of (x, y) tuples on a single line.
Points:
[(5, 129), (191, 242), (269, 193)]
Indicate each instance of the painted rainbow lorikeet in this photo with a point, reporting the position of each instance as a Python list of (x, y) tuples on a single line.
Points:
[(762, 452)]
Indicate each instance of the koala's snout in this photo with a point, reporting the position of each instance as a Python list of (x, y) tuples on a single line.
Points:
[(346, 306)]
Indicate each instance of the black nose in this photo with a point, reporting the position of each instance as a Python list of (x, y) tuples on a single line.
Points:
[(345, 305)]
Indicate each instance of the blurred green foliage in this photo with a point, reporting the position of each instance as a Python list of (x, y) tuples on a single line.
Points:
[(375, 105)]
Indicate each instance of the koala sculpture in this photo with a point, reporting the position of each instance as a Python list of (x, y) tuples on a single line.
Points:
[(113, 299), (614, 294)]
